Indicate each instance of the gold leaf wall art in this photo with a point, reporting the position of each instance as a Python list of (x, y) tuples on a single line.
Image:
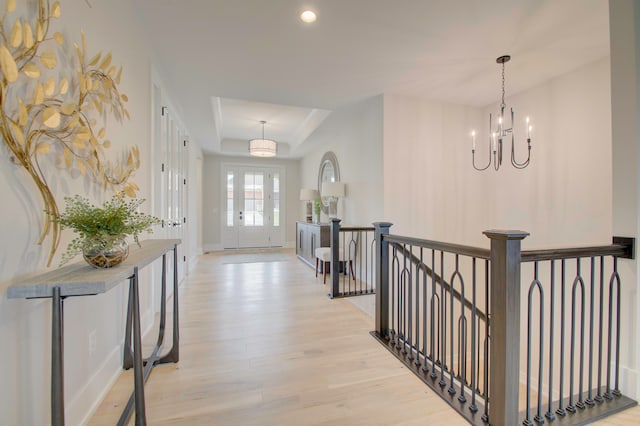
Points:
[(44, 112)]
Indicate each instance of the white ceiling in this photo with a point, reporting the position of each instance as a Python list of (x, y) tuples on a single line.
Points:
[(230, 63)]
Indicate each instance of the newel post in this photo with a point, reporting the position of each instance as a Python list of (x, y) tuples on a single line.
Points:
[(504, 326), (382, 278), (335, 257)]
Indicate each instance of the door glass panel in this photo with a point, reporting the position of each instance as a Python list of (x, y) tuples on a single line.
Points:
[(276, 199), (253, 199), (230, 199)]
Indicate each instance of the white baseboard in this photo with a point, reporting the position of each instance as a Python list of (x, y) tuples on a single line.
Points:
[(218, 247), (192, 263), (629, 382), (95, 389), (100, 383), (212, 247)]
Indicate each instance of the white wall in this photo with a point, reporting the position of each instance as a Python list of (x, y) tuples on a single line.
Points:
[(625, 94), (25, 325), (563, 198), (354, 134), (211, 196)]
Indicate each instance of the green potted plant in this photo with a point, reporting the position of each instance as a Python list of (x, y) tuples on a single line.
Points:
[(317, 206), (102, 231)]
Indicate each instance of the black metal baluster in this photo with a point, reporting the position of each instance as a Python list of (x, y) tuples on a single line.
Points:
[(394, 262), (550, 415), (598, 397), (539, 417), (589, 400), (360, 259), (418, 267), (452, 389), (580, 403), (527, 411), (351, 264), (607, 393), (560, 411), (487, 337), (443, 322), (342, 266), (346, 276), (408, 278), (406, 306), (425, 314), (373, 265), (478, 357), (474, 382), (418, 334), (425, 287), (616, 279), (462, 337), (368, 276), (400, 308), (435, 320), (578, 280)]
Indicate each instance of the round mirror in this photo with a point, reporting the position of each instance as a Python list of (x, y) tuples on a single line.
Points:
[(328, 172)]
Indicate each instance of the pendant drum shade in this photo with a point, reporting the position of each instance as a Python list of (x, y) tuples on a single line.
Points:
[(263, 147)]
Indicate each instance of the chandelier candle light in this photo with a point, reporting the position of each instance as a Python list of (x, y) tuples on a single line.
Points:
[(263, 147), (496, 136)]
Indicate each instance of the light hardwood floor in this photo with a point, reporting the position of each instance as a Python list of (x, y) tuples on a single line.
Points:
[(261, 344)]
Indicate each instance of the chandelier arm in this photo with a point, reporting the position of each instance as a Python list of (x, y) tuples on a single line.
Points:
[(473, 151), (514, 162), (473, 160)]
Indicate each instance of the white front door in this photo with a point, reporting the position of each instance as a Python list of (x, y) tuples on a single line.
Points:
[(252, 202)]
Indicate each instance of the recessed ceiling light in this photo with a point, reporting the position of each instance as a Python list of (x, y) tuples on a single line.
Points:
[(308, 16)]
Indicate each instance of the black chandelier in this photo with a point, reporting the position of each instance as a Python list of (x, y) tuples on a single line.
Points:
[(496, 136)]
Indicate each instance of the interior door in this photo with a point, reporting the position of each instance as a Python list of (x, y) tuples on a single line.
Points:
[(252, 200), (172, 186)]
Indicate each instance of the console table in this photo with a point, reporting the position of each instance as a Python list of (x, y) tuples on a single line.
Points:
[(310, 236), (81, 279)]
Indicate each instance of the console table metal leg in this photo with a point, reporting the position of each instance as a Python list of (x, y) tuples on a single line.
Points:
[(138, 367), (127, 354), (133, 358), (57, 359), (137, 398), (174, 353), (163, 302)]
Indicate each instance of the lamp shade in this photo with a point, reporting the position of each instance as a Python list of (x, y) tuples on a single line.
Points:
[(307, 194), (262, 147), (332, 189)]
